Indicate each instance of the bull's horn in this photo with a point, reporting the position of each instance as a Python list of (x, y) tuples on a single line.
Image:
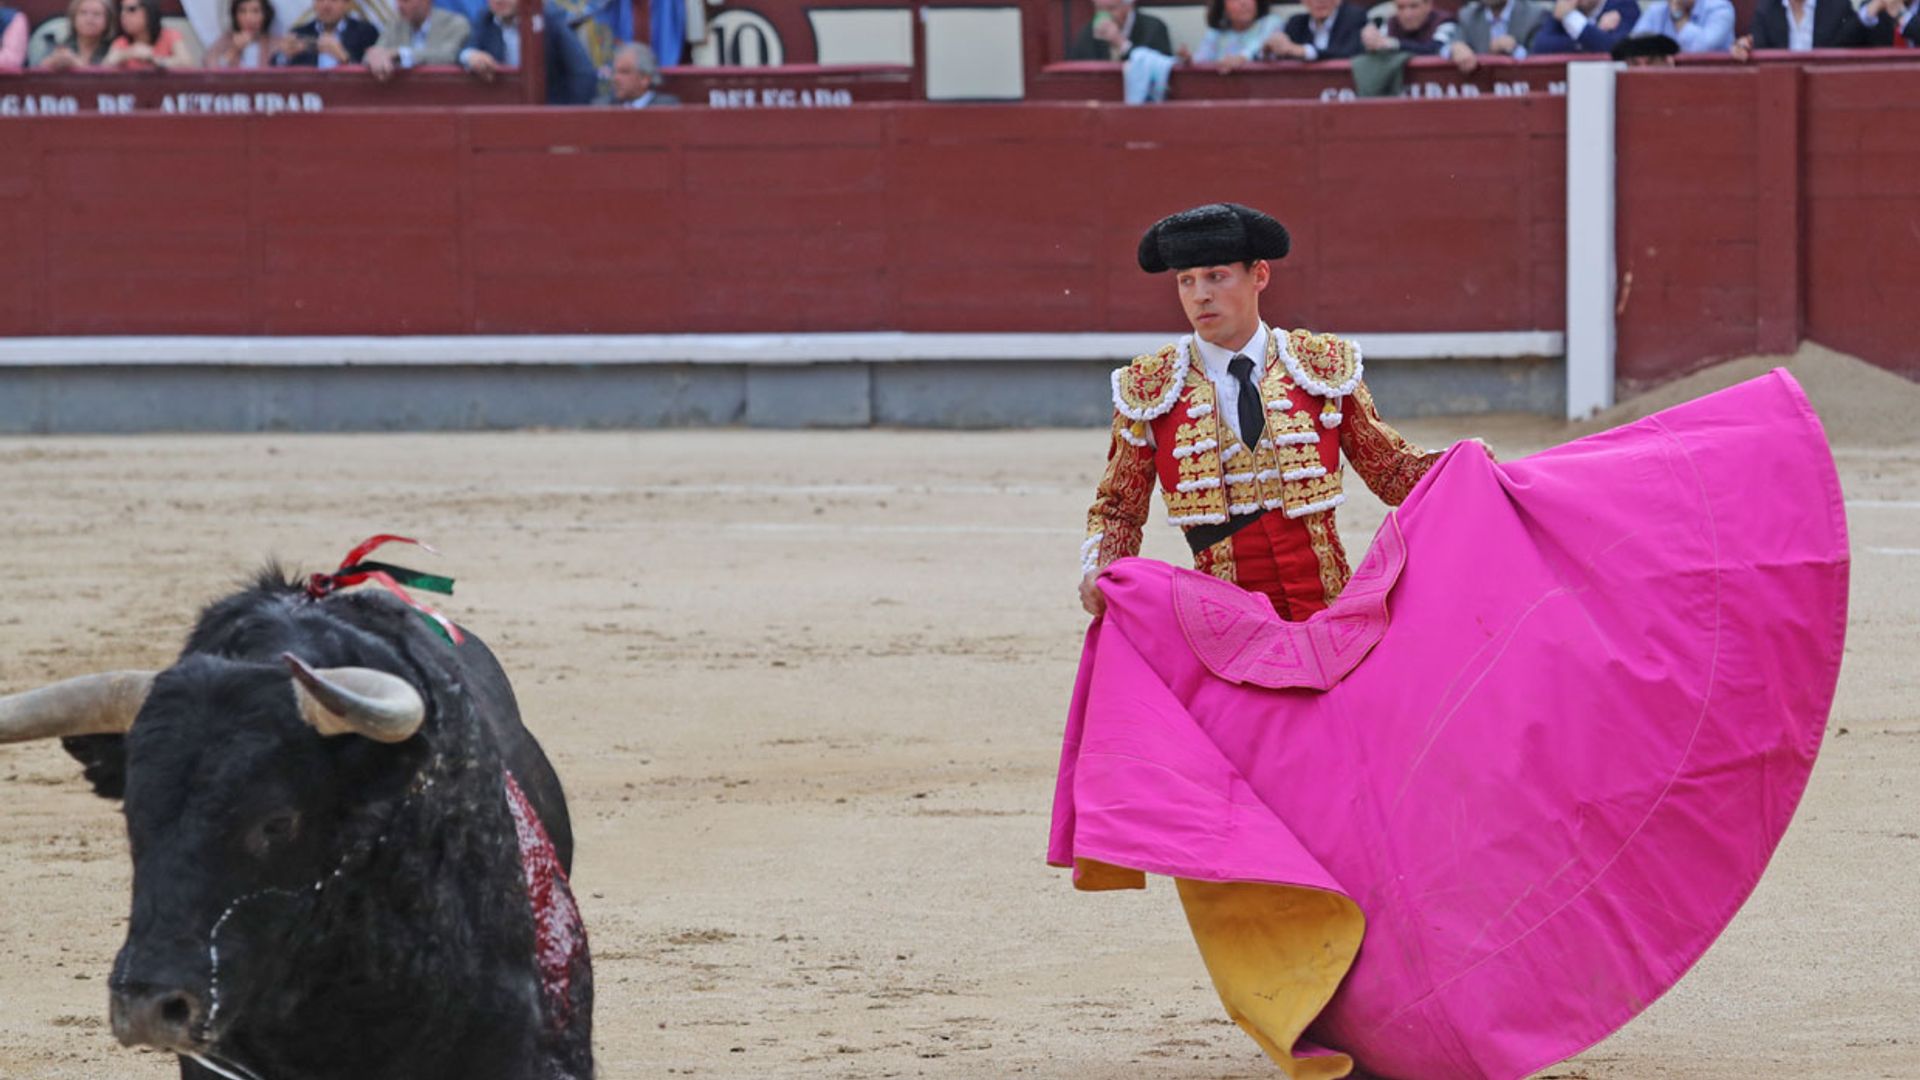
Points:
[(103, 704), (357, 701)]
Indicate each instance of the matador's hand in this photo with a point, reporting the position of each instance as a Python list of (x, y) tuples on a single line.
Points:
[(1091, 597)]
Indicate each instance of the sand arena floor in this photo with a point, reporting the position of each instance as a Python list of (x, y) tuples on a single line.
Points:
[(805, 690)]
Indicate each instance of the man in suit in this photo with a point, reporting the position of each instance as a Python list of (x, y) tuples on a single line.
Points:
[(1891, 24), (1494, 28), (635, 80), (1415, 29), (331, 38), (1116, 30), (1327, 30), (422, 36), (1800, 25), (495, 44), (1587, 26)]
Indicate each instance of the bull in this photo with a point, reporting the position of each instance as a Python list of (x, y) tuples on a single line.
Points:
[(350, 858)]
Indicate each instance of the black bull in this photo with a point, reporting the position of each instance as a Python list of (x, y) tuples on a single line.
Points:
[(328, 878)]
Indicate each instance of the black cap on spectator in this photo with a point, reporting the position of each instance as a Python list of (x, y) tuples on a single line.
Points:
[(1646, 47), (1212, 235)]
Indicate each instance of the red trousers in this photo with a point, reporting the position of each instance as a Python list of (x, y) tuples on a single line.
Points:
[(1275, 556)]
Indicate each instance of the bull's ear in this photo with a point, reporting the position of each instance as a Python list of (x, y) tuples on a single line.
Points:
[(103, 761), (103, 704), (356, 701)]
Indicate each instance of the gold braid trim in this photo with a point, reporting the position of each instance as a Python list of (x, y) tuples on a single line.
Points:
[(1325, 538), (1389, 464), (1120, 505)]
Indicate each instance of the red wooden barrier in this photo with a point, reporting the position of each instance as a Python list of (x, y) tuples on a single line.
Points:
[(1861, 212), (1760, 206), (1407, 217)]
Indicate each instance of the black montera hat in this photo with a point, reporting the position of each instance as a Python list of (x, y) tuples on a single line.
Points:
[(1212, 235), (1646, 46)]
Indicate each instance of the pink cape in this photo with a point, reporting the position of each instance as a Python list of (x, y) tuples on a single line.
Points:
[(1548, 780)]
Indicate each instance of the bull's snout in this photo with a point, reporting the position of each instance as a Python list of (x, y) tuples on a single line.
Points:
[(162, 1017)]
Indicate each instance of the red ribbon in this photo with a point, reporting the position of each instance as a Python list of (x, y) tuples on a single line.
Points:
[(351, 573)]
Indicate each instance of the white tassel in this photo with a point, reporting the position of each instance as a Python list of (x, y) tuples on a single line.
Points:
[(1243, 509), (1090, 553), (1241, 478), (1127, 435), (1201, 484), (1315, 508), (1205, 408), (1310, 473), (1200, 447), (1198, 519), (1296, 438)]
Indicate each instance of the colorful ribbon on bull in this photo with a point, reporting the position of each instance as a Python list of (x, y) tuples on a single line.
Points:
[(356, 569)]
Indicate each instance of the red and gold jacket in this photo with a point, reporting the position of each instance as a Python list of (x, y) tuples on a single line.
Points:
[(1166, 428)]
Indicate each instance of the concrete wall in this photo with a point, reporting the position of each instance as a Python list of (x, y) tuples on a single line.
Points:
[(122, 399)]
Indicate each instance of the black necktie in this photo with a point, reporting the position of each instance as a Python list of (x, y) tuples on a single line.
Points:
[(1252, 416)]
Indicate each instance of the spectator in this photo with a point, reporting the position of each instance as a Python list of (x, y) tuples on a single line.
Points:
[(422, 36), (1588, 26), (1494, 28), (250, 43), (1415, 28), (90, 34), (1237, 32), (495, 44), (331, 38), (1327, 30), (1116, 30), (1890, 23), (144, 44), (13, 38), (636, 80), (1699, 26), (1801, 25)]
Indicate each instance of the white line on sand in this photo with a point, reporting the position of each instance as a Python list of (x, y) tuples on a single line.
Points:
[(1883, 504), (823, 527), (847, 489), (1894, 551)]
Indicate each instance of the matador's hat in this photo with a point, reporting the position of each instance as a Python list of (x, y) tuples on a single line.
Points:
[(1212, 235)]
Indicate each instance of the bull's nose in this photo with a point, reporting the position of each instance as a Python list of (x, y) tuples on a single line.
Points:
[(161, 1017)]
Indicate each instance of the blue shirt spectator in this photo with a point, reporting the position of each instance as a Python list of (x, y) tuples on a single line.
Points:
[(1587, 26), (1700, 26)]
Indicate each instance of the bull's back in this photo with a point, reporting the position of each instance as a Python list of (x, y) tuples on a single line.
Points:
[(496, 707)]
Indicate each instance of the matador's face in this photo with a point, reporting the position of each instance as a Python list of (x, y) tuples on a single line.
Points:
[(1223, 302)]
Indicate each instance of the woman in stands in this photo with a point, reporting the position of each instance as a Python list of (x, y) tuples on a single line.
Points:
[(144, 44), (1237, 32), (251, 43), (90, 32)]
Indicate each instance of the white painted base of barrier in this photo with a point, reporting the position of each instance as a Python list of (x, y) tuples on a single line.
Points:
[(753, 349)]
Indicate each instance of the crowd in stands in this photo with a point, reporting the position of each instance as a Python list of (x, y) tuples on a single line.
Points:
[(1246, 31), (131, 35)]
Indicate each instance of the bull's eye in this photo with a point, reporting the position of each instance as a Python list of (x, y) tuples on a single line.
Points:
[(275, 832)]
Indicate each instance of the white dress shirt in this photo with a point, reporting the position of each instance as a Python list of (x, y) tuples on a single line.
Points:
[(1800, 31), (1226, 389)]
